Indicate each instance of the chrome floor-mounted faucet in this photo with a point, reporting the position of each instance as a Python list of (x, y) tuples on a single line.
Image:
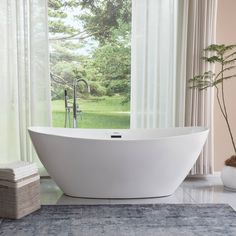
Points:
[(75, 105)]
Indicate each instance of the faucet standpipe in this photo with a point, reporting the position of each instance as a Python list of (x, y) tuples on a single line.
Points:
[(75, 106)]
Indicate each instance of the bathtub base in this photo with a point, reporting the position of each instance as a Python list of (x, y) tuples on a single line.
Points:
[(118, 198)]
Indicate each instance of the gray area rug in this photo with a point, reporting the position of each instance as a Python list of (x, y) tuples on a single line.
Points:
[(138, 220)]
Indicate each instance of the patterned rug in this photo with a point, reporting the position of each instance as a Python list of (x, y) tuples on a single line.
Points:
[(128, 220)]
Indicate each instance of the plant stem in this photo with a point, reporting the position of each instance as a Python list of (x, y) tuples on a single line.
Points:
[(224, 110), (218, 100), (222, 90), (231, 135)]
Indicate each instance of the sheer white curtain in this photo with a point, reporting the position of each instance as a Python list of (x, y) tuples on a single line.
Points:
[(167, 41), (154, 37), (24, 67)]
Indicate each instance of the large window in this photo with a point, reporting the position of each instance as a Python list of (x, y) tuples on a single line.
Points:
[(90, 40)]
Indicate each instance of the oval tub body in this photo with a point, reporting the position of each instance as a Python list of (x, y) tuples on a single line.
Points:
[(133, 163)]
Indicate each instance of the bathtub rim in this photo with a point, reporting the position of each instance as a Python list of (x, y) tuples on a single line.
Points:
[(195, 131)]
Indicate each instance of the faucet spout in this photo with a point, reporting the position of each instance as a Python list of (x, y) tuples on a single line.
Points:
[(85, 82)]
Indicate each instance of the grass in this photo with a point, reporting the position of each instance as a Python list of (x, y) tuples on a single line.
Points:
[(105, 112)]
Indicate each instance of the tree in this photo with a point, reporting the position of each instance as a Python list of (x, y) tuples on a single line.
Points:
[(99, 18), (106, 26)]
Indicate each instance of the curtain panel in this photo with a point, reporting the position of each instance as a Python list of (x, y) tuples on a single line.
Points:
[(153, 65), (168, 37), (199, 105), (25, 84)]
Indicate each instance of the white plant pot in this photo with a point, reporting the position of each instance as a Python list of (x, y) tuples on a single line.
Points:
[(228, 176)]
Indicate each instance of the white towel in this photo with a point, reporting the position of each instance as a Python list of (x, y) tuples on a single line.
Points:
[(17, 170)]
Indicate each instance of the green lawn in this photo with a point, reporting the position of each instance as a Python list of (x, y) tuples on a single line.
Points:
[(105, 112)]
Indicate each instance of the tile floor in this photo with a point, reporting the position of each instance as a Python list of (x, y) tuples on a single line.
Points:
[(192, 190)]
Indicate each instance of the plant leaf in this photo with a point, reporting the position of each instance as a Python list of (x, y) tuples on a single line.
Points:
[(220, 49), (212, 59)]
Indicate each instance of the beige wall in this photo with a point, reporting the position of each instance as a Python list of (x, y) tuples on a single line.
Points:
[(226, 34)]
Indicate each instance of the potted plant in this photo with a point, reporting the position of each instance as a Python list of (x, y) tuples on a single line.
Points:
[(225, 57)]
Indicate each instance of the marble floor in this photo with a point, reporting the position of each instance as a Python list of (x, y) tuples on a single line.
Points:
[(192, 190)]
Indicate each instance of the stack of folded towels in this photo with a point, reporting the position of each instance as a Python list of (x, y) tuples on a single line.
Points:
[(19, 189), (16, 171)]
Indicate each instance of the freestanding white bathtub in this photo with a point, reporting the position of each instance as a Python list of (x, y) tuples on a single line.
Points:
[(133, 163)]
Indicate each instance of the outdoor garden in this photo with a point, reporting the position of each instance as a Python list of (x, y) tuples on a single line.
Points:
[(91, 40)]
